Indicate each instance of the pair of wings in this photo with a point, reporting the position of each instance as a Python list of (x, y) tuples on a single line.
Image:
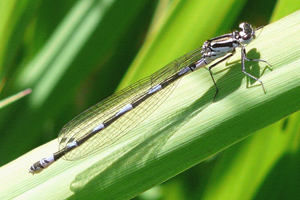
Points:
[(97, 114)]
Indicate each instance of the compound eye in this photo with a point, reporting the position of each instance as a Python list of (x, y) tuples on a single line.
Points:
[(246, 36)]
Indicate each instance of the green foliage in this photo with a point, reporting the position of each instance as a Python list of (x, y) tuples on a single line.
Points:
[(73, 54)]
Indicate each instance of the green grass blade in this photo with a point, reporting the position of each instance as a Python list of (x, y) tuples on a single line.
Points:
[(194, 130), (14, 98), (185, 130), (204, 128), (178, 32)]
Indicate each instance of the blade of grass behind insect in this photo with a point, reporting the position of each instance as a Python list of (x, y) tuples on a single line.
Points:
[(184, 29), (204, 128)]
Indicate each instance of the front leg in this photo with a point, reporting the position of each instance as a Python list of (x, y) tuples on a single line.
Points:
[(244, 57)]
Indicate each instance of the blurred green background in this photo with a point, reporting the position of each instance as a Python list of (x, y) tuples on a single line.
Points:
[(72, 54)]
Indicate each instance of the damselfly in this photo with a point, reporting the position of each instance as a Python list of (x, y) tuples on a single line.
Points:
[(106, 122)]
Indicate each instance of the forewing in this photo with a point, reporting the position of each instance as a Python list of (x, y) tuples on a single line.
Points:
[(89, 119)]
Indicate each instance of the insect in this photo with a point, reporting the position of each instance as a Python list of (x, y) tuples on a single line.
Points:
[(109, 120)]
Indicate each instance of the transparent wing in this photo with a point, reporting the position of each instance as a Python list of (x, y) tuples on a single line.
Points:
[(97, 114)]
